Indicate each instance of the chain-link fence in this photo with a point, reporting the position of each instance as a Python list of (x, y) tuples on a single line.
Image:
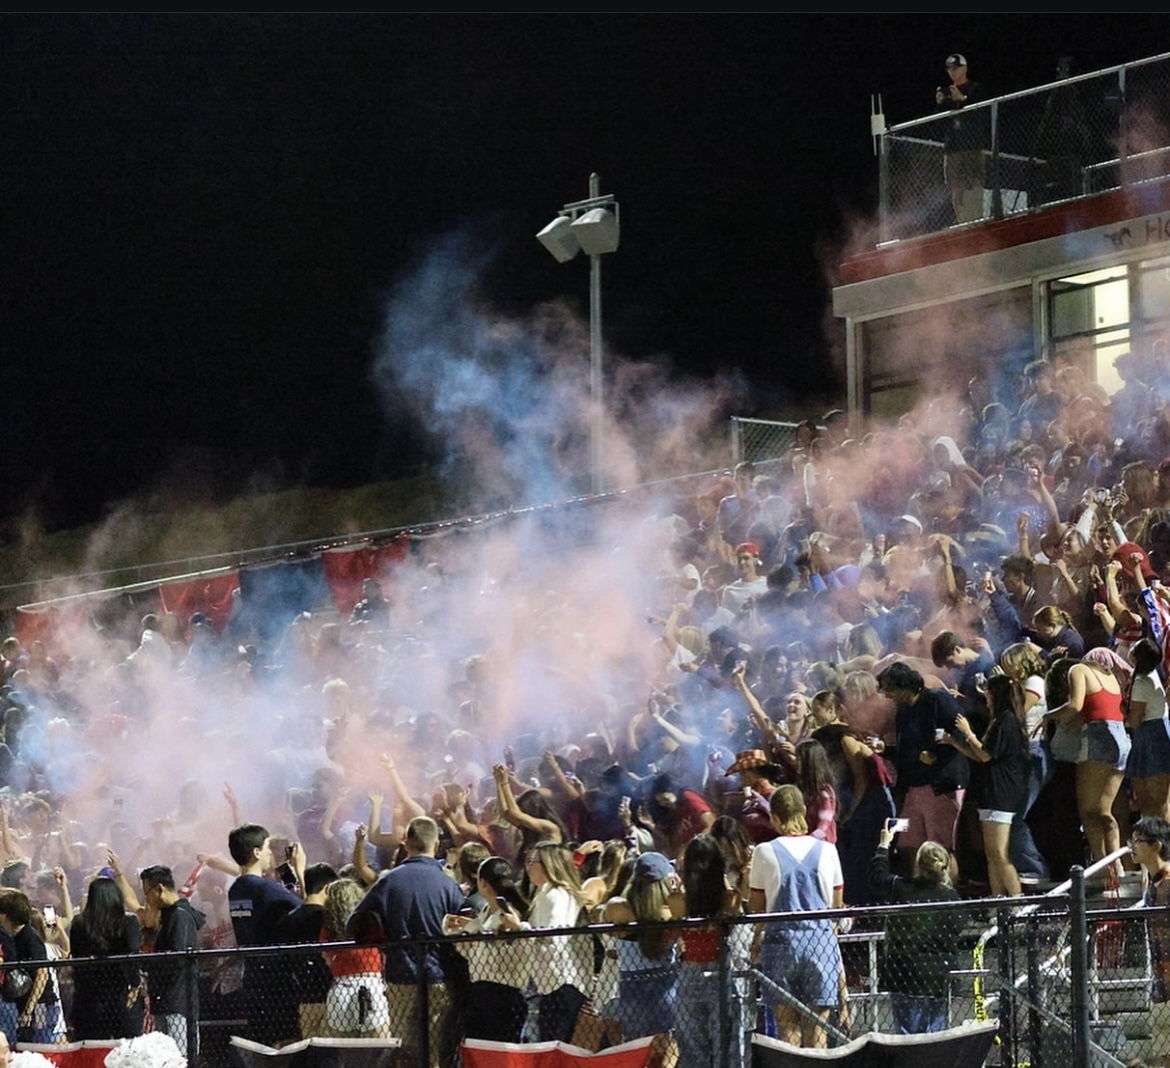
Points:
[(1071, 138), (1066, 985), (755, 440)]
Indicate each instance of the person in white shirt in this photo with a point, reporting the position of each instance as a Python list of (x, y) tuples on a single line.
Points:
[(562, 965)]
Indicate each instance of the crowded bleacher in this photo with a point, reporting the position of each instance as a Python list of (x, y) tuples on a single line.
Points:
[(956, 622)]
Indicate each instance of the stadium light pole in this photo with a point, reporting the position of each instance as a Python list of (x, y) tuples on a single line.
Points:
[(592, 226)]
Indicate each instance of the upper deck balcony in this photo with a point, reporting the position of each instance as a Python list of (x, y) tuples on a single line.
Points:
[(1057, 144)]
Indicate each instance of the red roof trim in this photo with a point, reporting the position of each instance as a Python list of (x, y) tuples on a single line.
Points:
[(1084, 214)]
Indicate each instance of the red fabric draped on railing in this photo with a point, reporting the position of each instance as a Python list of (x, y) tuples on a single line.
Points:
[(212, 596), (346, 569)]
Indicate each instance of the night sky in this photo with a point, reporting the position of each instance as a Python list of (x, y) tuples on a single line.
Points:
[(205, 216)]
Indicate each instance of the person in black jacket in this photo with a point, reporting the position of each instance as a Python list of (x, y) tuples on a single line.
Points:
[(308, 976), (919, 946), (932, 776), (174, 984), (965, 140)]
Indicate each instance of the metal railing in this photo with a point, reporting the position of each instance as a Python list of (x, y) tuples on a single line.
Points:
[(1068, 984), (1071, 138)]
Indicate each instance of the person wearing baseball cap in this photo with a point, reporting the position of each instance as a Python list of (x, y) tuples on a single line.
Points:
[(964, 141)]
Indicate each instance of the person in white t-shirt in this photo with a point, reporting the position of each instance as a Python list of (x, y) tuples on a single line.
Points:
[(797, 873), (1148, 766)]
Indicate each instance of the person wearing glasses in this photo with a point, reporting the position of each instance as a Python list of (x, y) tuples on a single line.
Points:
[(1150, 843), (562, 965)]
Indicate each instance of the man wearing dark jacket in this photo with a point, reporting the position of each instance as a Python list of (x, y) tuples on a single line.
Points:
[(933, 775), (1014, 605), (174, 983)]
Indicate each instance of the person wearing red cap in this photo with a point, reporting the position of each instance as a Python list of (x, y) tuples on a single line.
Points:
[(1132, 557)]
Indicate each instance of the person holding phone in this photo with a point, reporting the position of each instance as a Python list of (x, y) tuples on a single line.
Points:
[(1003, 760), (257, 904), (495, 1007), (38, 1012), (918, 947), (932, 775)]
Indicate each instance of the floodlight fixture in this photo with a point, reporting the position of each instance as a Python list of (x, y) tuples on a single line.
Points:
[(593, 226), (560, 239), (597, 231)]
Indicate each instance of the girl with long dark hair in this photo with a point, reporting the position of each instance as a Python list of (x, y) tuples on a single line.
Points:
[(709, 893), (816, 781), (530, 813), (107, 1000), (1001, 777), (495, 1008)]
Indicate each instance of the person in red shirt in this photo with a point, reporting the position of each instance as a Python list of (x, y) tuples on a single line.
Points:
[(356, 1004)]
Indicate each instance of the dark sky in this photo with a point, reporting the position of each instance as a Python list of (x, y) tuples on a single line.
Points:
[(204, 215)]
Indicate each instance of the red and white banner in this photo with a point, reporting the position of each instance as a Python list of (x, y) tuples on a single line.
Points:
[(478, 1053), (73, 1054)]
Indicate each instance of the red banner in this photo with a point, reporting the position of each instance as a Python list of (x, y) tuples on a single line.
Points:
[(73, 1055), (211, 596), (346, 570)]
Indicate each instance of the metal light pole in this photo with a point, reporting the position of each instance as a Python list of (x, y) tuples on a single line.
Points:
[(592, 226)]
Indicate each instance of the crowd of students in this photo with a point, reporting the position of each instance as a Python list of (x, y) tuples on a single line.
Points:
[(958, 620)]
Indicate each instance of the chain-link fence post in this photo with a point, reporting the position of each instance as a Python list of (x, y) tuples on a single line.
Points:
[(727, 1003), (885, 230), (190, 987), (424, 1009), (1032, 941), (1007, 969), (1079, 962), (995, 173)]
